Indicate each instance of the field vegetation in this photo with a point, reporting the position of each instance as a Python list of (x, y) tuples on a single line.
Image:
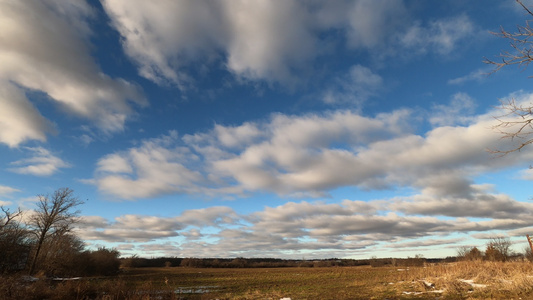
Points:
[(476, 279)]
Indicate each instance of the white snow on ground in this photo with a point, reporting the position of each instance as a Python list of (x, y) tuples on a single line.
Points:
[(472, 284)]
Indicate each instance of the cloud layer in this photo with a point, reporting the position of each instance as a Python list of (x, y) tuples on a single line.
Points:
[(312, 229), (312, 154), (272, 41), (44, 48)]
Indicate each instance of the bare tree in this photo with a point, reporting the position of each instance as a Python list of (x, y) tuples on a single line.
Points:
[(54, 216), (14, 242), (8, 217), (502, 245), (516, 121)]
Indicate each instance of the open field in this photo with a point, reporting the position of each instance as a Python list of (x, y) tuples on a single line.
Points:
[(463, 280)]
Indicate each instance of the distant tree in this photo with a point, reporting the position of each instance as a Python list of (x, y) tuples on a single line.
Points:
[(462, 252), (492, 254), (503, 245), (474, 254), (54, 217), (516, 121)]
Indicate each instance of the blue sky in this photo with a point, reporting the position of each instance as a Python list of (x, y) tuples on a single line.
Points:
[(265, 128)]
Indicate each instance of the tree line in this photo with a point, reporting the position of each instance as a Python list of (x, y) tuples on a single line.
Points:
[(496, 249), (43, 242)]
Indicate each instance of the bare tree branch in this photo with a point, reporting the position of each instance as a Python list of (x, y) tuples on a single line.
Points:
[(516, 122), (8, 216)]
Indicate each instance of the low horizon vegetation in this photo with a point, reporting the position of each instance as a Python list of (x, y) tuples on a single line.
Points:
[(459, 280)]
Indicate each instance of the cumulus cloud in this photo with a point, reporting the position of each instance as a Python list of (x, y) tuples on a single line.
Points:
[(19, 119), (272, 41), (261, 39), (480, 204), (42, 163), (44, 47), (155, 168), (311, 154)]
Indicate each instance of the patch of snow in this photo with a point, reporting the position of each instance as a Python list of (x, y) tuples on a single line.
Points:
[(195, 290), (28, 278), (412, 293), (286, 298), (427, 284), (472, 284)]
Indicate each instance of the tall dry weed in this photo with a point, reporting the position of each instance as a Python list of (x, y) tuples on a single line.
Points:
[(475, 278)]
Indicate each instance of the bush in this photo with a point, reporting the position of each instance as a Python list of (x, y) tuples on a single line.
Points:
[(104, 262)]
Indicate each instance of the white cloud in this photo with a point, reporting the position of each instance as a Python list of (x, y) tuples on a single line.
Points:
[(42, 163), (19, 119), (155, 168), (44, 48), (355, 88), (211, 216), (271, 41), (261, 39), (460, 111), (312, 154), (370, 23), (527, 174), (6, 191), (476, 75), (439, 36), (268, 39), (479, 204)]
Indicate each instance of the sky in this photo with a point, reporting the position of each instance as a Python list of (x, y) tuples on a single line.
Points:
[(290, 129)]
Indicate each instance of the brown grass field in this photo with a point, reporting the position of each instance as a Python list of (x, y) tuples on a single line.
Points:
[(462, 280)]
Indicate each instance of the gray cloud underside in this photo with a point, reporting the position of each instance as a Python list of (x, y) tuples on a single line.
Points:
[(291, 228)]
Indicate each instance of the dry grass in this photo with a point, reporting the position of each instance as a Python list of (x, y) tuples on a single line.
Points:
[(474, 279), (512, 280)]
